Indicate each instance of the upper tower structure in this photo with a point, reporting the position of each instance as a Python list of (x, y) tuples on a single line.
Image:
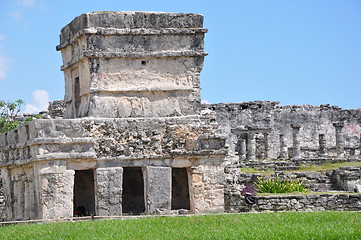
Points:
[(132, 64)]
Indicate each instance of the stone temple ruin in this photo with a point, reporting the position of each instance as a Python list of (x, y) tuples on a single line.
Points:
[(134, 137)]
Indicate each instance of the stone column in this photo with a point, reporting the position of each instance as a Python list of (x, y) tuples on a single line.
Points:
[(158, 188), (296, 141), (56, 192), (27, 199), (265, 136), (339, 139), (29, 205), (8, 188), (30, 202), (109, 188), (251, 145), (359, 145), (18, 196), (283, 147), (242, 149), (322, 144)]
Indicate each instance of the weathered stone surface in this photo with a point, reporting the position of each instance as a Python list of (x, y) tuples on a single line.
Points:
[(207, 184), (117, 64), (132, 99), (56, 109), (128, 21), (311, 122), (135, 77), (109, 191), (56, 192), (158, 186), (337, 202)]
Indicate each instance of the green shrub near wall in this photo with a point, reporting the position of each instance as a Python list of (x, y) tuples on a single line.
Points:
[(279, 184)]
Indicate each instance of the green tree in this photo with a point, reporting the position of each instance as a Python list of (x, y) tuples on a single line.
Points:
[(8, 113)]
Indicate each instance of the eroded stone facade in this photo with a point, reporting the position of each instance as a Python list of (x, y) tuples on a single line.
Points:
[(265, 130), (133, 137)]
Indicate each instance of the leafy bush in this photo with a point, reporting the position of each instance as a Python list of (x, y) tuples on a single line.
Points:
[(8, 115), (278, 184)]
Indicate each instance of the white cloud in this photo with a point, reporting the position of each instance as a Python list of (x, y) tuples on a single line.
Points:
[(16, 15), (40, 102), (2, 36), (27, 3), (205, 101)]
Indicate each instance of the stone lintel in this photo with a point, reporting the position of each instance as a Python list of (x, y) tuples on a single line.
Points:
[(239, 131), (64, 156)]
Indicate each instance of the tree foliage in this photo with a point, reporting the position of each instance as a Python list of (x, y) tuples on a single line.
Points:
[(9, 112)]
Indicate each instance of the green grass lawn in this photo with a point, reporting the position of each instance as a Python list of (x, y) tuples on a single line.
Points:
[(286, 225)]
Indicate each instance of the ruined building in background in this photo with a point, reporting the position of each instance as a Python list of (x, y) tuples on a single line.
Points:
[(264, 130), (133, 139)]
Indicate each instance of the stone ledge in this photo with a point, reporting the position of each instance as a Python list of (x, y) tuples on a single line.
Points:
[(39, 141), (153, 54), (139, 31), (64, 156)]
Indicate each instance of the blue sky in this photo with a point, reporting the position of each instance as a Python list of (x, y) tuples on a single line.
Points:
[(295, 52)]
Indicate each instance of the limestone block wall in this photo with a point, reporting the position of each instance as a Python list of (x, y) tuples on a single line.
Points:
[(322, 202), (208, 188), (39, 162), (265, 130)]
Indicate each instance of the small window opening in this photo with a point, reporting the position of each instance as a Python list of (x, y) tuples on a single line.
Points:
[(144, 62)]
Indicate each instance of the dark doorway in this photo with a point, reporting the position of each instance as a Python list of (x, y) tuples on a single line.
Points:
[(84, 197), (133, 190), (180, 189)]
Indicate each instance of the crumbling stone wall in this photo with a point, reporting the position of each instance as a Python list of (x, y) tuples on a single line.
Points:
[(265, 130), (132, 106), (322, 202), (56, 109), (49, 152), (342, 179)]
